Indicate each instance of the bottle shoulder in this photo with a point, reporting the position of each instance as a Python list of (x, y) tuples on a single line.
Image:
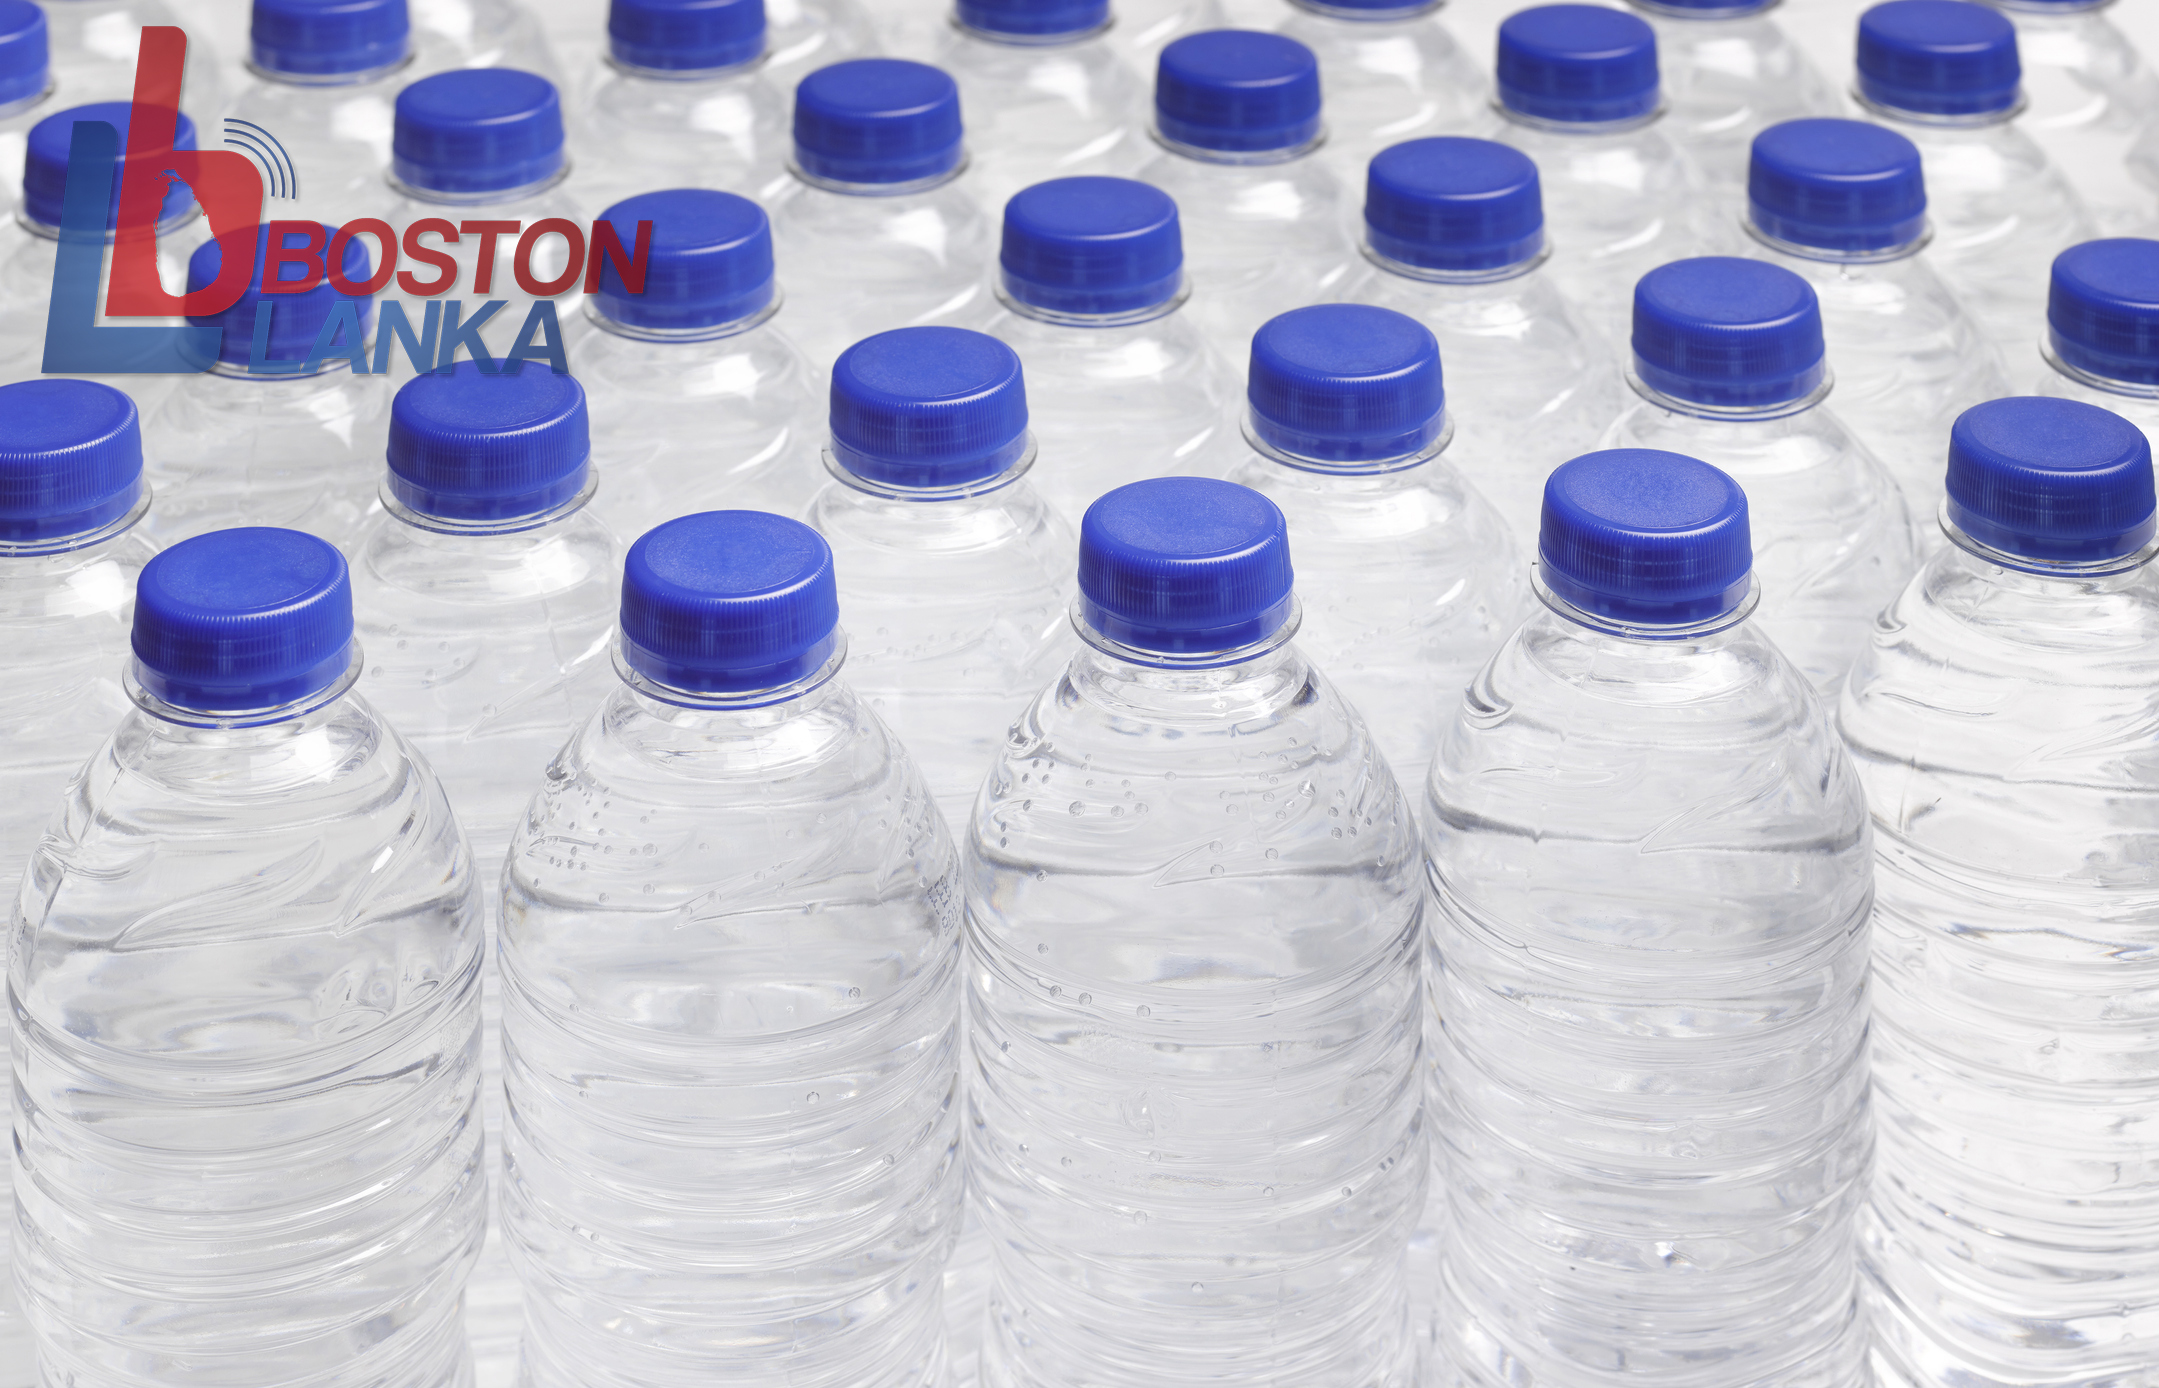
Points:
[(1170, 349), (760, 368), (1384, 45), (1254, 773), (402, 574), (1002, 71), (1419, 514), (1529, 313), (1753, 450), (1008, 529), (718, 105), (346, 409), (2003, 727), (1570, 733), (946, 214), (1208, 189)]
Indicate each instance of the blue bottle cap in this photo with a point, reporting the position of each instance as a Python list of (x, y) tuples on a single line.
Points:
[(1577, 64), (328, 38), (877, 120), (1237, 91), (685, 35), (726, 602), (1454, 204), (243, 619), (2103, 309), (44, 172), (710, 263), (295, 319), (1184, 566), (1938, 58), (1346, 383), (70, 459), (477, 130), (1645, 537), (1836, 185), (1092, 246), (2050, 479), (1033, 19), (1728, 333), (25, 52), (474, 447), (928, 407)]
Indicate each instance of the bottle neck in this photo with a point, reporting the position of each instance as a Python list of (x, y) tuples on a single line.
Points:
[(1929, 120), (1733, 414), (1641, 630), (2065, 578), (1250, 681), (497, 536), (1879, 255), (83, 543), (1147, 313), (735, 712), (1425, 274), (339, 83), (711, 332), (1359, 467), (245, 726)]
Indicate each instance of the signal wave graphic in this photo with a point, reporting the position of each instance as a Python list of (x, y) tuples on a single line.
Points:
[(280, 179)]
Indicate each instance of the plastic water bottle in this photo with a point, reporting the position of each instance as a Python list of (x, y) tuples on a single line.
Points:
[(1237, 115), (26, 90), (71, 499), (324, 86), (2102, 329), (1046, 94), (875, 207), (94, 45), (955, 574), (299, 447), (246, 989), (1578, 93), (735, 1154), (1392, 72), (1944, 74), (2090, 94), (1121, 382), (485, 593), (1843, 205), (1410, 578), (699, 399), (2000, 724), (1729, 364), (1649, 946), (26, 274), (1729, 71), (1194, 914), (683, 100), (483, 144), (1454, 233)]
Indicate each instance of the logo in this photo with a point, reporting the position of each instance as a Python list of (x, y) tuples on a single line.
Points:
[(294, 257)]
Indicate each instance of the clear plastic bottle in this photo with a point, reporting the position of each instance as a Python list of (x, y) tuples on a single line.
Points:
[(1843, 205), (1045, 92), (482, 145), (1729, 364), (875, 207), (1578, 94), (699, 399), (299, 448), (2091, 94), (323, 86), (683, 100), (246, 988), (1944, 74), (71, 497), (1237, 116), (730, 951), (26, 273), (95, 45), (955, 574), (1729, 70), (1121, 383), (1652, 873), (1391, 71), (2000, 724), (2102, 329), (1194, 1127), (1454, 233), (27, 91), (1409, 578), (485, 593)]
